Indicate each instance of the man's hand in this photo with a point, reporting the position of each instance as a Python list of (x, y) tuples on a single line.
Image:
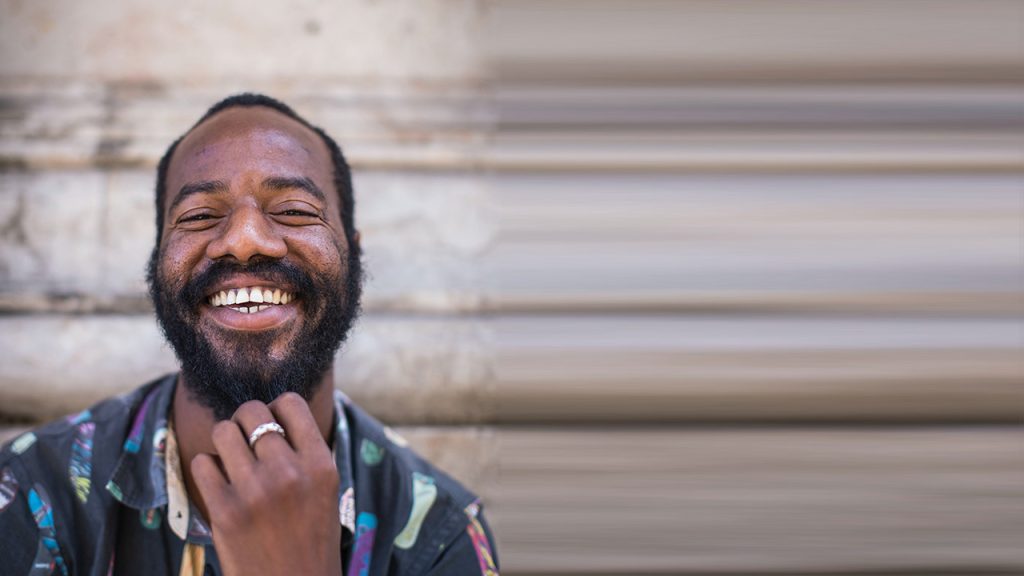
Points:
[(274, 508)]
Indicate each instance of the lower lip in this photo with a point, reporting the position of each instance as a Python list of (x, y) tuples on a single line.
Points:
[(271, 317)]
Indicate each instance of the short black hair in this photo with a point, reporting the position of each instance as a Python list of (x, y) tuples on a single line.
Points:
[(342, 174)]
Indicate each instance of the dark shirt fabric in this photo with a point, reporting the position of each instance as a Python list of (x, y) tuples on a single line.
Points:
[(88, 494)]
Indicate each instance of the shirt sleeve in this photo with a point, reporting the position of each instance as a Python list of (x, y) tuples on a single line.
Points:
[(472, 552)]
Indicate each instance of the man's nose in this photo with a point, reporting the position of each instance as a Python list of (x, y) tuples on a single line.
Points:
[(247, 233)]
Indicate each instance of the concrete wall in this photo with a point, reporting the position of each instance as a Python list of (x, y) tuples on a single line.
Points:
[(680, 287)]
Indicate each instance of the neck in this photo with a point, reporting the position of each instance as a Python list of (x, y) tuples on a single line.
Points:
[(193, 427)]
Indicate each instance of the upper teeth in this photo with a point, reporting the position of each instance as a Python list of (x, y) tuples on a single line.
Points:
[(257, 294)]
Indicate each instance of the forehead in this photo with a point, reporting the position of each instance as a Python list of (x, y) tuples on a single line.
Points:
[(254, 141)]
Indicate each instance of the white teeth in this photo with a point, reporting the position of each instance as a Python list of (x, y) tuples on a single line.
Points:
[(256, 295), (261, 308)]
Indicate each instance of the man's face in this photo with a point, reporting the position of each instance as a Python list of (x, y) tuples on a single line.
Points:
[(252, 280)]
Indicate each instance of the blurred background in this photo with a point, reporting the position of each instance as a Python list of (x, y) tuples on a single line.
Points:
[(680, 287)]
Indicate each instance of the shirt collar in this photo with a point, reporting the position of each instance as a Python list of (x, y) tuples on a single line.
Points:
[(148, 473), (139, 480)]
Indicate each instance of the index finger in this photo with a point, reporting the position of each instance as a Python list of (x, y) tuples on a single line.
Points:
[(292, 411)]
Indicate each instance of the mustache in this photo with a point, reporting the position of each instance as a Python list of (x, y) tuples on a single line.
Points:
[(275, 271)]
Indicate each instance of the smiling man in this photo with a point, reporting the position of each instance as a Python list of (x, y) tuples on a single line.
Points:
[(247, 461)]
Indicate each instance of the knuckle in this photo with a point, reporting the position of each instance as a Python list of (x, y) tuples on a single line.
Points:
[(253, 498), (288, 400), (201, 465), (280, 482), (324, 473), (253, 407), (223, 430), (288, 477)]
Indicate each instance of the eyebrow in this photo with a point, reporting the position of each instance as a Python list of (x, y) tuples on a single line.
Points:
[(301, 183), (274, 183), (204, 187)]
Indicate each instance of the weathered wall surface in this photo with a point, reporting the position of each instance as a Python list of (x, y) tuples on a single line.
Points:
[(679, 287)]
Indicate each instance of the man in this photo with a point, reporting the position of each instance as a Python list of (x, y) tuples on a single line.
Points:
[(248, 461)]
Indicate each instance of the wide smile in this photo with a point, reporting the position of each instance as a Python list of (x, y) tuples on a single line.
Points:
[(257, 307)]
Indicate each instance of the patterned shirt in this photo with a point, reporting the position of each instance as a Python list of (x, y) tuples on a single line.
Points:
[(101, 493)]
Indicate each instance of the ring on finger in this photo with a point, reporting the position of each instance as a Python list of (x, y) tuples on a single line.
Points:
[(265, 428)]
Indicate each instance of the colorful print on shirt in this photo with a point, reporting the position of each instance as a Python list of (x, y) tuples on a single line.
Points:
[(134, 441), (347, 509), (80, 467), (82, 416), (8, 488), (366, 532), (402, 524), (424, 492), (370, 452), (42, 512), (480, 544), (43, 564), (23, 443)]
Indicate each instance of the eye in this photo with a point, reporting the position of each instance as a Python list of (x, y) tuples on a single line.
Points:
[(294, 212), (198, 220)]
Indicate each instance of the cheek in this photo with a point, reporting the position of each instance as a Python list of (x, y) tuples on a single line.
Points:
[(177, 257), (322, 251)]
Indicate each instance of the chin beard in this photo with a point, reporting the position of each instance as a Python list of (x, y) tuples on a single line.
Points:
[(223, 379)]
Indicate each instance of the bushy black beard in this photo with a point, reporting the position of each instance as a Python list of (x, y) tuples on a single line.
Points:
[(222, 382)]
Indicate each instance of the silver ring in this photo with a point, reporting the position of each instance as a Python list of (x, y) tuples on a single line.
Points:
[(263, 429)]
